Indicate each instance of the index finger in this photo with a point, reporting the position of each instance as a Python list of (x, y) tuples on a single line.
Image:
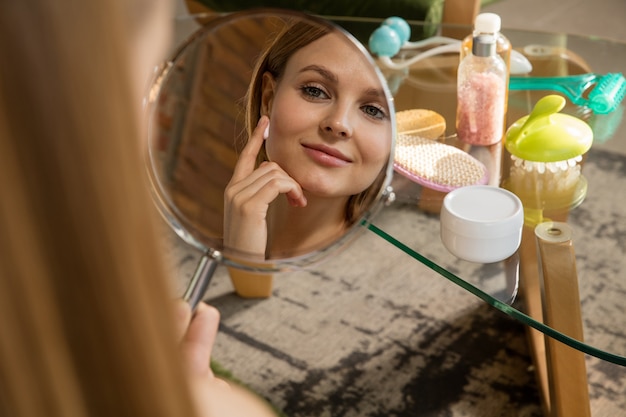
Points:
[(247, 160)]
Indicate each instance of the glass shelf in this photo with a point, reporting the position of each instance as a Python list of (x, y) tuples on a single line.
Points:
[(595, 212), (594, 209)]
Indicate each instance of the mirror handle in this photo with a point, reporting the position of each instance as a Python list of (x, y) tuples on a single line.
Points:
[(200, 280)]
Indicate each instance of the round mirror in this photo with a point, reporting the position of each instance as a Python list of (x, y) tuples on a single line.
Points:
[(270, 140)]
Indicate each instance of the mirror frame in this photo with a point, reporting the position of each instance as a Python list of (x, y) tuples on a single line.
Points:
[(181, 225)]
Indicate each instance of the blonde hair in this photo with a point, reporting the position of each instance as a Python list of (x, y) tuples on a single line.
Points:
[(85, 308), (295, 36)]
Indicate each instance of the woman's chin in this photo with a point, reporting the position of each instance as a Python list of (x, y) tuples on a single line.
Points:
[(315, 191)]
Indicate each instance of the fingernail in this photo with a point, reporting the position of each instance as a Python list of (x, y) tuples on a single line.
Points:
[(266, 133), (301, 202)]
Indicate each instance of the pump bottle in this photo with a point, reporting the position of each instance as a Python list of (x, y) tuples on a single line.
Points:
[(490, 24), (481, 93)]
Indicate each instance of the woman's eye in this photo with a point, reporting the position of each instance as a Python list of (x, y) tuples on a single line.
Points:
[(314, 92), (374, 112)]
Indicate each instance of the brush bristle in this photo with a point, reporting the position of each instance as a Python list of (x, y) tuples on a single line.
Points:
[(437, 165), (547, 185), (608, 93)]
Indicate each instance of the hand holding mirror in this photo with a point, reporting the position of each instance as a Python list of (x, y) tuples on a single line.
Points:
[(270, 142)]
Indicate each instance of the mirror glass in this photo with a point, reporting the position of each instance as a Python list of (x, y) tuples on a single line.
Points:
[(296, 191)]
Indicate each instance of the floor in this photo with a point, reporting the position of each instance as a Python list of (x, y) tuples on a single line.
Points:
[(603, 18)]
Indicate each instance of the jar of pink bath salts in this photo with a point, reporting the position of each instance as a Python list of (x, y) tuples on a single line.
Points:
[(481, 94)]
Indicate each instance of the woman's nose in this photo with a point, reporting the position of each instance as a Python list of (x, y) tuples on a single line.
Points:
[(337, 123)]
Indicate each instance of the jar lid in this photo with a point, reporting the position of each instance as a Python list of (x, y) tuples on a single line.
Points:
[(548, 136), (482, 211)]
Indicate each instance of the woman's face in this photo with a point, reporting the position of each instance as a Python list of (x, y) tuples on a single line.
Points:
[(330, 126)]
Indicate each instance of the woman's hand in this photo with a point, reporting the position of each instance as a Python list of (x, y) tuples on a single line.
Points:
[(213, 397), (197, 332), (249, 194)]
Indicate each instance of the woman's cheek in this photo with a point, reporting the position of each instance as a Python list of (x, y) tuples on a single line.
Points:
[(378, 147)]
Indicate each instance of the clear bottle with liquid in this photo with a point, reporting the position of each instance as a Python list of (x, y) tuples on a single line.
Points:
[(481, 93), (491, 24)]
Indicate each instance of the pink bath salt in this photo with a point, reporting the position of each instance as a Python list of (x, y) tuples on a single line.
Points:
[(480, 111)]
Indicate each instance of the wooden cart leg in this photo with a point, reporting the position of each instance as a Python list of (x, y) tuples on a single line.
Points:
[(530, 293), (566, 368)]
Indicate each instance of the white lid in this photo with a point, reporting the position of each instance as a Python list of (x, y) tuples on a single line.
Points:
[(482, 211), (487, 23)]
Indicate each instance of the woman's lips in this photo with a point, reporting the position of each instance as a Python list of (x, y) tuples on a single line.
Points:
[(326, 155)]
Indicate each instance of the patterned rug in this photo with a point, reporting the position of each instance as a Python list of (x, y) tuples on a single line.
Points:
[(372, 332)]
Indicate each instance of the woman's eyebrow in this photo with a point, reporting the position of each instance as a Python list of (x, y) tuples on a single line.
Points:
[(376, 94), (322, 71), (373, 93)]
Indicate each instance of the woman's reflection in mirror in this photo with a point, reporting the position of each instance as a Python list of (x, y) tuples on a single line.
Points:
[(317, 145)]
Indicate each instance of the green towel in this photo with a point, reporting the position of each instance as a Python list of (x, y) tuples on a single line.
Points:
[(421, 10), (428, 10)]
